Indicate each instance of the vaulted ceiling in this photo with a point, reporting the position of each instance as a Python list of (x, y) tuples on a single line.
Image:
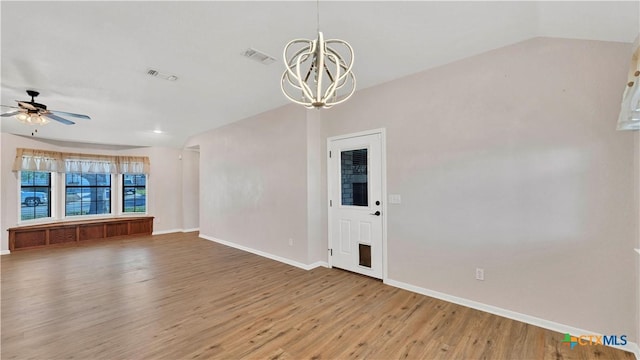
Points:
[(93, 57)]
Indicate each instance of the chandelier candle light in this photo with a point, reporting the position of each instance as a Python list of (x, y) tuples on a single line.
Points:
[(318, 72)]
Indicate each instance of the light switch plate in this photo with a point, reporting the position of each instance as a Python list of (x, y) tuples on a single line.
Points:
[(395, 199)]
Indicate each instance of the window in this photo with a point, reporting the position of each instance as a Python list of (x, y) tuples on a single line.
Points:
[(82, 184), (353, 172), (35, 195), (134, 193), (87, 194)]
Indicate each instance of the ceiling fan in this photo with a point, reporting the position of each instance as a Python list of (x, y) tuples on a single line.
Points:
[(33, 113)]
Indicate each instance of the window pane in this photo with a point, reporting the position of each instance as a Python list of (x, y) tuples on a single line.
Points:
[(134, 193), (354, 181), (35, 195), (87, 194)]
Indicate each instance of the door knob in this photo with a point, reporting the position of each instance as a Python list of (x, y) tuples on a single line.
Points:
[(377, 213)]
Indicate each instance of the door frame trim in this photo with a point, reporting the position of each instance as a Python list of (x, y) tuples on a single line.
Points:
[(383, 185)]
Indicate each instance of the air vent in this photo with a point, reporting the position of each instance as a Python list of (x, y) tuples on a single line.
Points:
[(258, 56), (165, 76)]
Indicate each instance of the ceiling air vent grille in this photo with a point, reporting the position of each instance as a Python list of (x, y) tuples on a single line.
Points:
[(258, 56), (165, 76)]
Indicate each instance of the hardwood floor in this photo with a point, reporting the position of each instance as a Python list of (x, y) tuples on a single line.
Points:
[(177, 296)]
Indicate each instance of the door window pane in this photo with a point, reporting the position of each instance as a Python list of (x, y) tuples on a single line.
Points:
[(354, 182)]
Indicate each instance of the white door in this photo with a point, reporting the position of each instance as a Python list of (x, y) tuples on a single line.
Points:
[(355, 203)]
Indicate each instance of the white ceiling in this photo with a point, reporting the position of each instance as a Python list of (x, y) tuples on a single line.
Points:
[(92, 57)]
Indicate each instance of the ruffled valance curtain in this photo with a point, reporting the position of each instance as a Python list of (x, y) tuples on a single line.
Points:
[(38, 160), (54, 161), (133, 164)]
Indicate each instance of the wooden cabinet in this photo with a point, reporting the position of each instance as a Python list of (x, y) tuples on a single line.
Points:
[(23, 237)]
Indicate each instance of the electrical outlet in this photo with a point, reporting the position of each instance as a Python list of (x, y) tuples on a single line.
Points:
[(479, 274), (290, 242)]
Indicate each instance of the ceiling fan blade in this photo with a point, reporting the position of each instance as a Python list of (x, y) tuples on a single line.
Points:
[(9, 106), (26, 105), (69, 114), (11, 113), (58, 118)]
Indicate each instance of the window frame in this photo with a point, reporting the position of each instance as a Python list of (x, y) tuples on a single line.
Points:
[(57, 199), (122, 194), (63, 189), (51, 201)]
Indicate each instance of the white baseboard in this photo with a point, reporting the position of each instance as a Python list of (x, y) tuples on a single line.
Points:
[(554, 326), (162, 232), (266, 255), (316, 264), (5, 252)]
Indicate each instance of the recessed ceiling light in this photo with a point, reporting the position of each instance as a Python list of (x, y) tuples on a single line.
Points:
[(158, 131)]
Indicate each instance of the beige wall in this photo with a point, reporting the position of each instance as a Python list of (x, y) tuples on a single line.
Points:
[(165, 186), (190, 189), (253, 183), (165, 181), (509, 161)]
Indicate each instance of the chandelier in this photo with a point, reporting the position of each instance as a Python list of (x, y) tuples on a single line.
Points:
[(32, 119), (318, 72)]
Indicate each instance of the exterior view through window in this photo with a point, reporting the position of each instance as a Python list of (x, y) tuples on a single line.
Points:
[(87, 194), (134, 193), (35, 195)]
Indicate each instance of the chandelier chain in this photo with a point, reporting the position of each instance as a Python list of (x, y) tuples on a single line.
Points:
[(318, 14)]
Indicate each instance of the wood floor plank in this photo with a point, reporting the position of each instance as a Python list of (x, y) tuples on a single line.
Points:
[(176, 296)]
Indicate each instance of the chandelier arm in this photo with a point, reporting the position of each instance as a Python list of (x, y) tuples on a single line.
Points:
[(306, 91), (291, 98), (296, 54), (290, 72), (347, 68), (320, 53), (328, 73), (341, 81), (331, 89), (353, 89), (350, 50), (306, 78)]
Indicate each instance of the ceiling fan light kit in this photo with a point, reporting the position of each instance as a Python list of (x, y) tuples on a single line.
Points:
[(33, 113), (32, 119), (318, 75)]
